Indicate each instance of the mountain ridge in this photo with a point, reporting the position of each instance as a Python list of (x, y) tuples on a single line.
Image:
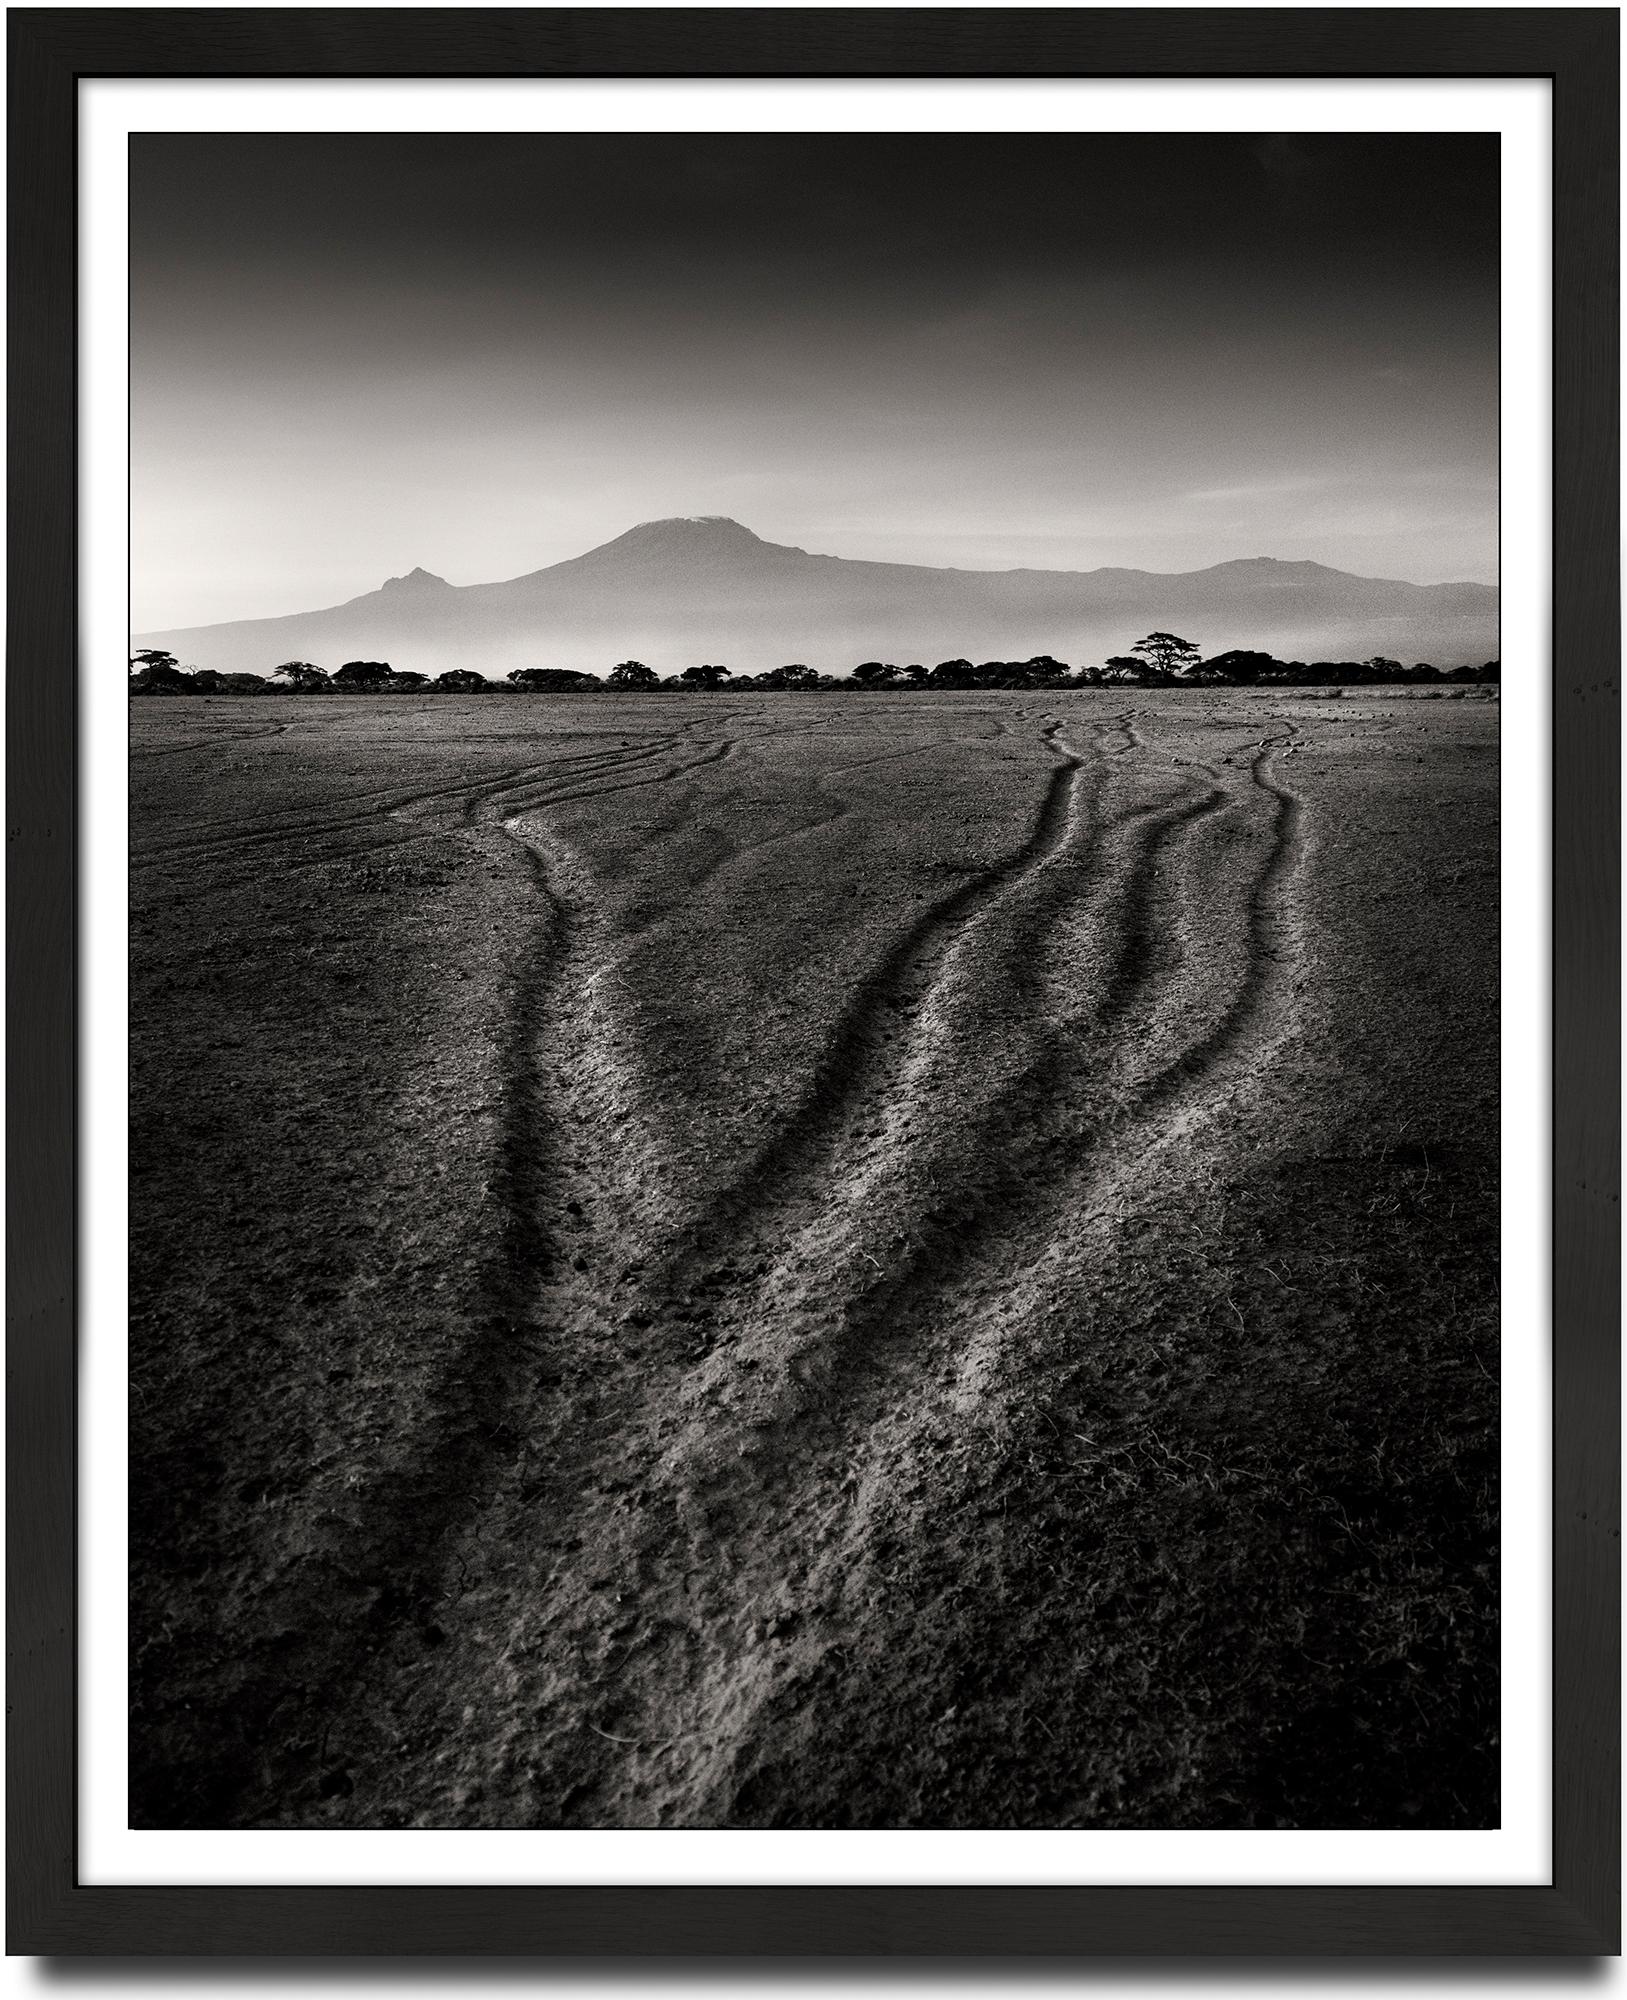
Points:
[(683, 588)]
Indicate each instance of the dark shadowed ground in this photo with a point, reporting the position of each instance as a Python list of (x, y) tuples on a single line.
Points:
[(837, 1260)]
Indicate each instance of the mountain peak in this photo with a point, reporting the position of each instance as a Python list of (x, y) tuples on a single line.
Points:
[(686, 545), (690, 531), (416, 579), (1281, 563)]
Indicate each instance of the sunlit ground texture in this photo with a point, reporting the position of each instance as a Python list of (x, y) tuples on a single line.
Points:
[(837, 1260)]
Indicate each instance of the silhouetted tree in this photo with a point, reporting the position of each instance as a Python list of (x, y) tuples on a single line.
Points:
[(302, 675), (1124, 667), (562, 680), (462, 680), (703, 676), (1167, 654), (154, 672), (951, 674), (874, 674), (363, 675), (913, 675), (405, 680), (1242, 669), (1041, 671), (633, 673), (793, 676)]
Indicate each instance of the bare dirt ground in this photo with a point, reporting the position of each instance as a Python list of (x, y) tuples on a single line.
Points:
[(830, 1261)]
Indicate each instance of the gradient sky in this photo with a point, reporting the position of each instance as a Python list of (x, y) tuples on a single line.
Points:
[(355, 354)]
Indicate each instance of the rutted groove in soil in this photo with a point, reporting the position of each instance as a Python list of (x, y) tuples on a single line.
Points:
[(387, 799), (1054, 1171), (383, 828), (800, 1147), (1068, 1160), (210, 742), (1009, 1141), (365, 808), (848, 1194), (1268, 926), (403, 1519), (536, 1318)]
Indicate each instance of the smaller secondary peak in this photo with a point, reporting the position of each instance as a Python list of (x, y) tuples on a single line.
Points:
[(417, 579)]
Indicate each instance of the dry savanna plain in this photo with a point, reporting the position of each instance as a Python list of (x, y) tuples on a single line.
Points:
[(837, 1260)]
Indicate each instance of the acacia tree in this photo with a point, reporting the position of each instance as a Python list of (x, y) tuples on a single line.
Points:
[(301, 674), (874, 673), (1166, 654), (952, 674), (1044, 671), (1242, 667), (563, 680), (703, 676), (150, 669), (633, 674), (363, 674)]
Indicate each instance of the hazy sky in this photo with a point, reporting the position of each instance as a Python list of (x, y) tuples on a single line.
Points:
[(356, 354)]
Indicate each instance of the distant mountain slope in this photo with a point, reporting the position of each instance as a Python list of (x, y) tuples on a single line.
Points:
[(674, 593)]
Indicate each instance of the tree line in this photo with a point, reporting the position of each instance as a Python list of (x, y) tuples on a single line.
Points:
[(1162, 659)]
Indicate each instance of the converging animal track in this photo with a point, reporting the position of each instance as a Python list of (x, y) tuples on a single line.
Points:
[(830, 1362), (847, 1248), (848, 1068), (880, 1354)]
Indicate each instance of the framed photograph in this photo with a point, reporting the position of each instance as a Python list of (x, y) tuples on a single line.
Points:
[(814, 1104)]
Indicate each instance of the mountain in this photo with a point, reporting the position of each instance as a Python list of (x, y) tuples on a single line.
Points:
[(674, 593)]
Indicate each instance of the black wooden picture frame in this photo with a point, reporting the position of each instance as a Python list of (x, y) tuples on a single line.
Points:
[(50, 1912)]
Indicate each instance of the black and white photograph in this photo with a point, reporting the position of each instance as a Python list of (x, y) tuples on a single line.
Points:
[(814, 1031)]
